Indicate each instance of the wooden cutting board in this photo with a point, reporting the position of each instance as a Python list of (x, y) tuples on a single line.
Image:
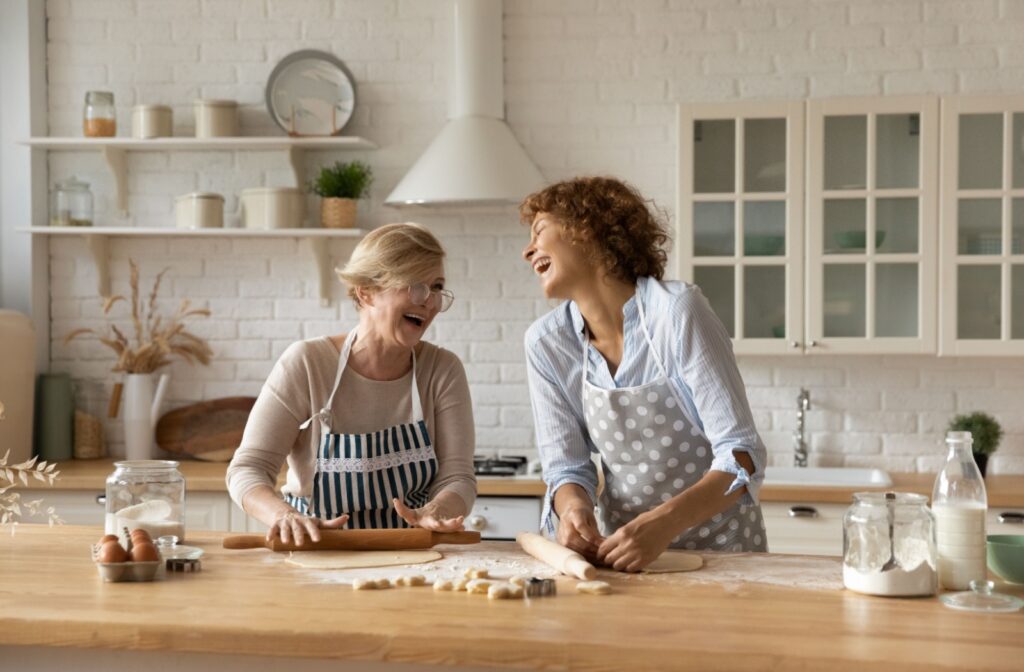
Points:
[(210, 430)]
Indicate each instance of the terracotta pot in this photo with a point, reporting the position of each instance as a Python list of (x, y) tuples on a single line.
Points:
[(338, 213)]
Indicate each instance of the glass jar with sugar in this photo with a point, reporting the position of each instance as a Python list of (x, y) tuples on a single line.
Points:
[(146, 494)]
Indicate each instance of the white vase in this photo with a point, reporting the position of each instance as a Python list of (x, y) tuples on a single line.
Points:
[(143, 396)]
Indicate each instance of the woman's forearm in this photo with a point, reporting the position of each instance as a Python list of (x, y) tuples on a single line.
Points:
[(571, 496), (449, 504), (265, 505), (705, 498)]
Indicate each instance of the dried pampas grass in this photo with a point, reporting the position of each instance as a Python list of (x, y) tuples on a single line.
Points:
[(155, 341)]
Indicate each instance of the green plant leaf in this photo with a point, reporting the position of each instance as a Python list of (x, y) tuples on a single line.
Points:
[(984, 429), (343, 180)]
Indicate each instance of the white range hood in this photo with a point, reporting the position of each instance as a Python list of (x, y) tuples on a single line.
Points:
[(475, 160)]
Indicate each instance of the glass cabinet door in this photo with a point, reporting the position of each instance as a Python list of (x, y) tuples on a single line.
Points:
[(872, 185), (740, 217), (982, 278)]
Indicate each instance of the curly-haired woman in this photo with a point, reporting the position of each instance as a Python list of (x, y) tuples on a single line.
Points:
[(640, 371)]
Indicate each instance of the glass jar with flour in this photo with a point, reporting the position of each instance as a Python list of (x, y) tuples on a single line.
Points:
[(889, 545), (147, 494)]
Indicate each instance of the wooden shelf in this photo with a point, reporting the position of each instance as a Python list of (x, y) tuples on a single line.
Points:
[(114, 149), (97, 237)]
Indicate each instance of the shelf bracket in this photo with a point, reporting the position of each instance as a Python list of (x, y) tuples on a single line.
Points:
[(101, 259), (116, 162), (295, 156), (324, 267)]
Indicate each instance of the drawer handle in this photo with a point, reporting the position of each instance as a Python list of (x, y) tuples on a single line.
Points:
[(101, 500), (803, 512), (477, 523), (1011, 518)]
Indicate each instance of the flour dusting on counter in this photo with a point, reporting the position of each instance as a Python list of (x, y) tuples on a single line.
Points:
[(501, 560), (732, 570)]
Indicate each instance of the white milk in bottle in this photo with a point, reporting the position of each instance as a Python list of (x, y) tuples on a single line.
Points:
[(959, 503)]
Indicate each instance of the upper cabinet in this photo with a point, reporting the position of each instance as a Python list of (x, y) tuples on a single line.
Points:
[(982, 220), (855, 272), (872, 184), (740, 210)]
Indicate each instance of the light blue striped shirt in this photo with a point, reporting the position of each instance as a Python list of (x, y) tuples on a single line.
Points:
[(697, 353)]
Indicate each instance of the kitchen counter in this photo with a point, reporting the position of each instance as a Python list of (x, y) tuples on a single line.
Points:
[(248, 602), (1005, 490)]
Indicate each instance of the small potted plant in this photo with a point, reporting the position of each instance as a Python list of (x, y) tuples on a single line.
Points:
[(985, 431), (340, 186)]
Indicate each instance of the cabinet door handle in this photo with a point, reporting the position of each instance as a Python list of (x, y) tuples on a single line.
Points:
[(812, 344), (477, 523), (101, 500), (803, 512), (1011, 518), (794, 344)]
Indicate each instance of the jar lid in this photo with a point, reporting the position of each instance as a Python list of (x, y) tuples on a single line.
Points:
[(272, 190), (981, 598), (146, 464), (884, 498), (148, 107), (99, 96), (198, 195), (210, 102)]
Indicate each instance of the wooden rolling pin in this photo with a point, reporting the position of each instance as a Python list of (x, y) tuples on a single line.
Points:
[(357, 540), (561, 558)]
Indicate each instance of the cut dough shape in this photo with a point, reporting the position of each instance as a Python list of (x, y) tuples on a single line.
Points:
[(594, 587), (674, 562), (356, 559)]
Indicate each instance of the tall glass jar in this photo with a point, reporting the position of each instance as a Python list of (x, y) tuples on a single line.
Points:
[(889, 545), (71, 204), (147, 494), (959, 502), (99, 119)]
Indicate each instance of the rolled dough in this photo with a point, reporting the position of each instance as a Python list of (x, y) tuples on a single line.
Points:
[(356, 559), (674, 562)]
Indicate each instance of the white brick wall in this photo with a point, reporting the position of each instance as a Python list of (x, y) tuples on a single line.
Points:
[(591, 87)]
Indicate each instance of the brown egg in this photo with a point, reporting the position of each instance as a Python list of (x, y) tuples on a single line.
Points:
[(140, 533), (106, 538), (111, 551), (144, 553)]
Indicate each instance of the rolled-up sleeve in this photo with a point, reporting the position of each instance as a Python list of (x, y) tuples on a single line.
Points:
[(709, 369), (561, 443)]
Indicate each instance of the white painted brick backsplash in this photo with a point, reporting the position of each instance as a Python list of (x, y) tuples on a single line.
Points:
[(591, 87)]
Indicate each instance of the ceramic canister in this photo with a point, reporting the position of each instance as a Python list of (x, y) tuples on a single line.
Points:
[(152, 121), (216, 118), (273, 208), (199, 210)]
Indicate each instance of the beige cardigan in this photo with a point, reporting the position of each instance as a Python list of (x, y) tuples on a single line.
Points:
[(300, 385)]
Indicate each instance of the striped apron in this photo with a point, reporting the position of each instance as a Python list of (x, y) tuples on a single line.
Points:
[(651, 450), (359, 474)]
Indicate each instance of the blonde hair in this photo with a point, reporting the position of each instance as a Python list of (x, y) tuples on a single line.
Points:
[(392, 256)]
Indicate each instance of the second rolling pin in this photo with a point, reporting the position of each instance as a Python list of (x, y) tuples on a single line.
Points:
[(561, 558)]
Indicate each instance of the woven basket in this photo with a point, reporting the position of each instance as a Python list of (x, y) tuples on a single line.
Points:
[(338, 213)]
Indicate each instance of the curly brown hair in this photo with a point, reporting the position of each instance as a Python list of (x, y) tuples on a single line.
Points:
[(610, 220)]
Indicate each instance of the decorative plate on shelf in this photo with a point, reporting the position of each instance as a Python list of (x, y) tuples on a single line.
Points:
[(311, 93)]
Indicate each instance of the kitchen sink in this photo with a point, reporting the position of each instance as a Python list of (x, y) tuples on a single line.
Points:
[(836, 477)]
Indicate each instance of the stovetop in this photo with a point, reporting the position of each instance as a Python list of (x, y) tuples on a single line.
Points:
[(508, 465)]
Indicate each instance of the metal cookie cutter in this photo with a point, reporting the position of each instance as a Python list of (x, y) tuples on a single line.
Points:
[(540, 587), (179, 558)]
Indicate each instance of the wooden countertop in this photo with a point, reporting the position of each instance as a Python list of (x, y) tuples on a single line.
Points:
[(242, 602), (1003, 490)]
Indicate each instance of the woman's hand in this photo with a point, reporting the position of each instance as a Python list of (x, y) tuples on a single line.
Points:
[(577, 530), (430, 517), (291, 524), (636, 544)]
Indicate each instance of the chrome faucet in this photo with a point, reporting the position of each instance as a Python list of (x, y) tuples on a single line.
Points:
[(803, 404)]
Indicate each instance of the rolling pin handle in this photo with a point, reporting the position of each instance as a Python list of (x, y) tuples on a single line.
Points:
[(241, 541), (580, 568)]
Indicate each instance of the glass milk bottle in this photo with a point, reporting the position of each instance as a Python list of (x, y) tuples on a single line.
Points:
[(959, 503)]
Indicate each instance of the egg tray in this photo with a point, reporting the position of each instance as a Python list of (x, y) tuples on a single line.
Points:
[(115, 572)]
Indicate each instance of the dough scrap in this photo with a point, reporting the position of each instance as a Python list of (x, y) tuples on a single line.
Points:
[(442, 584), (356, 559), (594, 587), (671, 561)]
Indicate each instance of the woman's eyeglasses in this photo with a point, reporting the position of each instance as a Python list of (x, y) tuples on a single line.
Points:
[(420, 293)]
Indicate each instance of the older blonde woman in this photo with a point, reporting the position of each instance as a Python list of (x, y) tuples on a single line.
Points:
[(376, 424)]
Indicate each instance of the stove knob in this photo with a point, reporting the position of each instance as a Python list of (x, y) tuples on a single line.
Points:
[(477, 523)]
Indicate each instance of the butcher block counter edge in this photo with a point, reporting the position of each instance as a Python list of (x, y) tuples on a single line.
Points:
[(1004, 490), (243, 602)]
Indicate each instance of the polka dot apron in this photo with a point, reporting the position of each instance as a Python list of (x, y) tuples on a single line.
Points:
[(359, 474), (651, 450)]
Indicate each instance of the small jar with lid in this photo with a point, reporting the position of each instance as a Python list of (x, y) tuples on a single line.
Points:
[(147, 494), (152, 121), (216, 118), (99, 119), (71, 204), (889, 545)]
